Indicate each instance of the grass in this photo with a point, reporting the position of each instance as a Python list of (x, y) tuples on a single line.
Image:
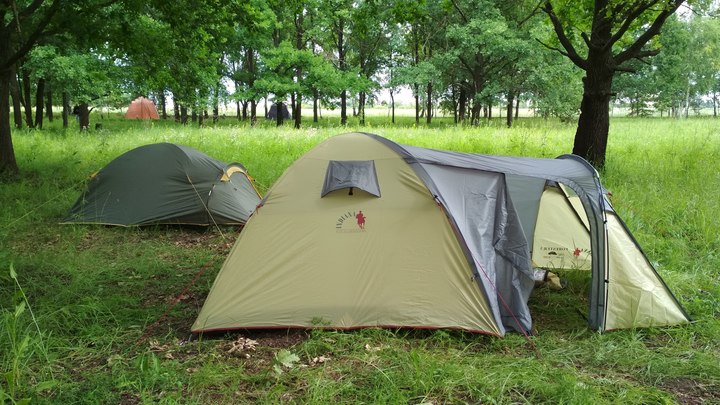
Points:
[(96, 291)]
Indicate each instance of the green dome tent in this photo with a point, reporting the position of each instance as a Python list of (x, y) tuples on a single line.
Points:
[(166, 183)]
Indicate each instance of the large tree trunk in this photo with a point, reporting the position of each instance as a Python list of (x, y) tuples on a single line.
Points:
[(279, 116), (39, 103), (16, 99), (8, 164), (26, 98), (594, 121), (84, 116)]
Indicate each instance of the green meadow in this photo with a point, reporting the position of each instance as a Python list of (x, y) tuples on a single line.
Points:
[(101, 315)]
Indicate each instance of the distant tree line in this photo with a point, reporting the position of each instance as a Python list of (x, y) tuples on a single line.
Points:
[(565, 58)]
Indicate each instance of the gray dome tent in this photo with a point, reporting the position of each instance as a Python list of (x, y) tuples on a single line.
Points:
[(166, 183)]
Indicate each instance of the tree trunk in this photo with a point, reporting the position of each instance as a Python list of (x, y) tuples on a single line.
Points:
[(429, 103), (462, 104), (279, 116), (183, 115), (216, 104), (475, 113), (16, 99), (163, 104), (200, 119), (39, 103), (253, 112), (343, 107), (27, 99), (715, 103), (297, 111), (392, 105), (244, 110), (84, 116), (8, 164), (49, 106), (193, 115), (316, 97), (361, 108), (517, 107), (66, 108), (417, 105), (594, 121), (341, 63), (509, 108)]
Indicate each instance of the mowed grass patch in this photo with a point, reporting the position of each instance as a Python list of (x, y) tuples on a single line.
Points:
[(96, 292)]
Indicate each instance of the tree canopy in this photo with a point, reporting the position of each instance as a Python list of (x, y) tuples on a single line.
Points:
[(563, 58)]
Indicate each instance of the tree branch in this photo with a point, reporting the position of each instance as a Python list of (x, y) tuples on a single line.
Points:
[(631, 17), (653, 30), (553, 48), (571, 53), (32, 39), (462, 14)]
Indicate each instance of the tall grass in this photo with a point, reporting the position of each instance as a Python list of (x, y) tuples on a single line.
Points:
[(94, 290)]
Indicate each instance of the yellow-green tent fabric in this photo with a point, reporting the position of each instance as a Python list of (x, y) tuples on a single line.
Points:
[(364, 232)]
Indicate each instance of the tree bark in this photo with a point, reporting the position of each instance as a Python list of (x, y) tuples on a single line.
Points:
[(316, 97), (163, 104), (183, 115), (361, 108), (517, 107), (39, 103), (84, 116), (594, 121), (27, 98), (417, 104), (16, 98), (8, 164), (279, 116), (429, 103), (341, 63), (509, 109), (297, 110), (392, 105), (49, 106)]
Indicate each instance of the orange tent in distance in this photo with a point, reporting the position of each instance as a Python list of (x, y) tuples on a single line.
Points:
[(143, 109)]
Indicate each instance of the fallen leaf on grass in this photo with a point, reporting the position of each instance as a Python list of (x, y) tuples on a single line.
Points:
[(318, 360)]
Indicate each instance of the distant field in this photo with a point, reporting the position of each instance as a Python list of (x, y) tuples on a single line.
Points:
[(94, 290)]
